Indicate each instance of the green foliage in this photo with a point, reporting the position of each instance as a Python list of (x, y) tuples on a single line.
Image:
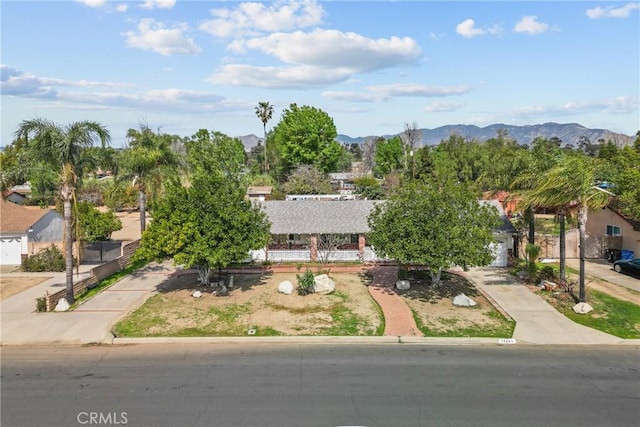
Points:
[(95, 225), (214, 153), (41, 304), (369, 188), (389, 156), (548, 273), (48, 259), (438, 224), (305, 282), (308, 180), (306, 136)]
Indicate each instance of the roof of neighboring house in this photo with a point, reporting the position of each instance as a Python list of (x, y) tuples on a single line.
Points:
[(615, 206), (259, 190), (316, 216), (13, 196), (506, 226), (17, 219), (22, 189), (341, 176)]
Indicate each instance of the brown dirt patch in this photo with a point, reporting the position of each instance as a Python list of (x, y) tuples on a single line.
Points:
[(255, 303), (433, 306), (10, 286)]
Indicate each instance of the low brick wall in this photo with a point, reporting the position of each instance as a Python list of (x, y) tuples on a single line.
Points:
[(96, 275)]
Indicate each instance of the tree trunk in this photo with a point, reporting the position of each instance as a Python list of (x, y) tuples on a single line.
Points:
[(532, 226), (563, 251), (266, 163), (68, 243), (203, 275), (436, 277), (582, 220), (143, 207)]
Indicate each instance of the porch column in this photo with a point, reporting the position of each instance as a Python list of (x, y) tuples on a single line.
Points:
[(313, 247), (361, 243)]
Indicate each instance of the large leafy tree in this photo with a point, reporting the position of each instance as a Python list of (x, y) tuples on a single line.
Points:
[(264, 111), (308, 180), (214, 153), (306, 136), (149, 161), (94, 225), (62, 146), (389, 156), (571, 183), (437, 223)]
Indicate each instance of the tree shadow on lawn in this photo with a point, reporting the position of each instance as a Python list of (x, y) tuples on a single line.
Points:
[(422, 290), (188, 280)]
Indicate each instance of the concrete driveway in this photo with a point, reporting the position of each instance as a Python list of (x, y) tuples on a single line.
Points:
[(602, 269)]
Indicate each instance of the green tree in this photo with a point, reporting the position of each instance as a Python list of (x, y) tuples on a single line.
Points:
[(62, 146), (95, 225), (388, 156), (264, 111), (571, 182), (369, 188), (148, 160), (306, 136), (438, 224), (308, 180), (214, 153)]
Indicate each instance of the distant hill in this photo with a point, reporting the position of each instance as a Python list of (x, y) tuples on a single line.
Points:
[(569, 133)]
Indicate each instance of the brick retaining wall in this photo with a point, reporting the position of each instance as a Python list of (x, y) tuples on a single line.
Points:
[(96, 275)]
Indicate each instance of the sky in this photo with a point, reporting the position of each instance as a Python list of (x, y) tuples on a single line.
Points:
[(372, 66)]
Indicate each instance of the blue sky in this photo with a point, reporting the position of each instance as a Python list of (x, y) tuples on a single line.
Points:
[(373, 66)]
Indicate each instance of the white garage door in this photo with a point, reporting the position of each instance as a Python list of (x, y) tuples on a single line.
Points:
[(10, 250), (500, 254)]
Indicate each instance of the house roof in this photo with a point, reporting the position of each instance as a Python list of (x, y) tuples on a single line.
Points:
[(317, 216), (506, 226), (17, 219), (615, 207), (342, 176), (259, 190)]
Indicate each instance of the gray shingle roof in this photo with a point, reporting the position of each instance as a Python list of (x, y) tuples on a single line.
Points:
[(506, 226), (314, 216)]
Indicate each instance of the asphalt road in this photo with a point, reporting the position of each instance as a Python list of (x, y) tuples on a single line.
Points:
[(320, 385)]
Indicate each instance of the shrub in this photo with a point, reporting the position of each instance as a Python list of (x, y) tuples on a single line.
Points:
[(305, 283), (548, 273), (49, 259), (41, 304)]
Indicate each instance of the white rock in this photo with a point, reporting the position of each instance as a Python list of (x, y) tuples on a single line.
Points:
[(63, 305), (322, 284), (197, 294), (461, 300), (285, 287), (403, 285), (582, 308)]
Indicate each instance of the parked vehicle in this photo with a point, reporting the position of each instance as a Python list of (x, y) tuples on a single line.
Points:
[(631, 266)]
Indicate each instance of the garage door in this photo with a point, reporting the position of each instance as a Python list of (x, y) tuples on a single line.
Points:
[(500, 254), (10, 250)]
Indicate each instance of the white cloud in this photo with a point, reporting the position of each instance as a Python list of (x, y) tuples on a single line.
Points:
[(122, 7), (92, 3), (155, 36), (467, 28), (443, 107), (386, 92), (254, 18), (161, 4), (529, 24), (277, 77), (612, 11)]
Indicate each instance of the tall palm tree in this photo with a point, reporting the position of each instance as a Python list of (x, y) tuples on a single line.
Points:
[(264, 111), (571, 183), (148, 159), (63, 147)]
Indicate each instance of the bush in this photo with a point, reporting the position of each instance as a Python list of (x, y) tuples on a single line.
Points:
[(305, 283), (548, 273), (41, 304), (49, 259)]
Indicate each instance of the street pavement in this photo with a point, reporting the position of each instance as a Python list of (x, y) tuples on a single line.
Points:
[(538, 323)]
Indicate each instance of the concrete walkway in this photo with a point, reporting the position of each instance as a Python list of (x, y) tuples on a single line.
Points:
[(602, 269)]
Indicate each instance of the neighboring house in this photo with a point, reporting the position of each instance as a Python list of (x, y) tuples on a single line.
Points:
[(259, 193), (24, 229), (14, 197), (506, 236), (607, 228), (510, 204), (343, 182), (336, 231)]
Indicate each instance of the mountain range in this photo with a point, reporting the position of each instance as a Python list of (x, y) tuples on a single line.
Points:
[(569, 133)]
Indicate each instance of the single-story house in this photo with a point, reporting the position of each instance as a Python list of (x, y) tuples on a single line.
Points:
[(343, 182), (14, 197), (607, 228), (506, 236), (259, 193), (22, 229), (336, 231)]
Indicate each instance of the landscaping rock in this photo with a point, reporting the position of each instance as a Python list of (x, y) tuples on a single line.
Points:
[(285, 287), (582, 308), (197, 294), (322, 284), (62, 305), (547, 285), (522, 274), (461, 300), (403, 285)]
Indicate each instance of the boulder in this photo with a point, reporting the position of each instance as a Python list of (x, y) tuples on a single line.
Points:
[(63, 305), (461, 300), (323, 284), (197, 294), (582, 308), (285, 287), (403, 285), (547, 285)]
